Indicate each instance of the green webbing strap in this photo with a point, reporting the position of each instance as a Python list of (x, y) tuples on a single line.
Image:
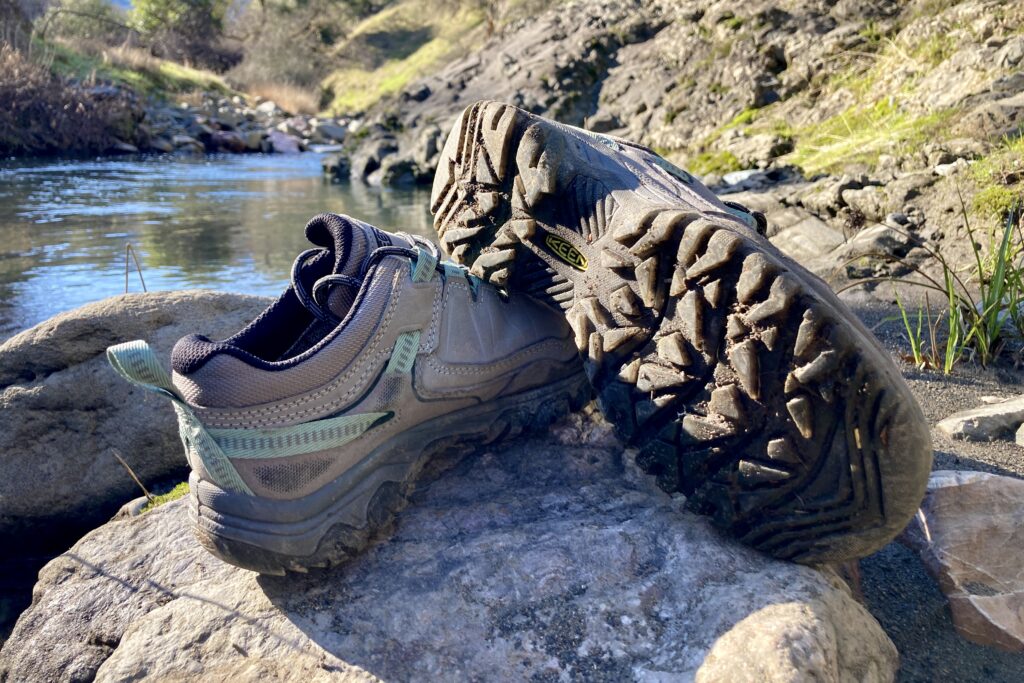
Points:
[(136, 362), (404, 353), (296, 440), (425, 264)]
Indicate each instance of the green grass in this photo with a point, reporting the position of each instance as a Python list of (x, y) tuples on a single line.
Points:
[(862, 133), (1000, 179), (984, 302), (147, 75), (721, 162), (174, 494), (357, 88)]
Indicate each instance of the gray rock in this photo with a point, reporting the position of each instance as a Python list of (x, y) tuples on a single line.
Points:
[(369, 157), (985, 423), (872, 201), (951, 168), (808, 239), (331, 132), (62, 409), (277, 142), (396, 171), (1003, 117), (1012, 53), (161, 145), (228, 141), (186, 141), (268, 108), (336, 166), (546, 558), (970, 536)]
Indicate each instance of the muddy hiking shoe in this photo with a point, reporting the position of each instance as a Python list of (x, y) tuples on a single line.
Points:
[(742, 379), (305, 430)]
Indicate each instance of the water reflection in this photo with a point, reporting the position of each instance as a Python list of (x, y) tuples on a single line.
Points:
[(231, 222)]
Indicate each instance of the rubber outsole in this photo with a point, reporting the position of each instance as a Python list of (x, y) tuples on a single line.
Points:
[(275, 537), (744, 381)]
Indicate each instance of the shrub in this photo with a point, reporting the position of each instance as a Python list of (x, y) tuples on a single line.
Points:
[(190, 31), (92, 20), (41, 113)]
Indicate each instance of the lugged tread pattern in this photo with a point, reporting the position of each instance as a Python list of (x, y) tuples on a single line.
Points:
[(743, 387), (342, 542)]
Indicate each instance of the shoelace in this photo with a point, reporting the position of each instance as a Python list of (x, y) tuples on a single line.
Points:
[(312, 300)]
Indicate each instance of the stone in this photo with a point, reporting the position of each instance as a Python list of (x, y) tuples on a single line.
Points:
[(186, 141), (63, 409), (550, 557), (254, 140), (985, 423), (161, 145), (331, 132), (268, 108), (1012, 53), (336, 166), (1003, 117), (758, 150), (969, 533), (277, 142), (808, 239), (396, 171), (870, 201), (122, 147), (228, 141), (951, 168), (369, 157)]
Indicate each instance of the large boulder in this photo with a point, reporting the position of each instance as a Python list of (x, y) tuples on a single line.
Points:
[(970, 535), (548, 558), (63, 410)]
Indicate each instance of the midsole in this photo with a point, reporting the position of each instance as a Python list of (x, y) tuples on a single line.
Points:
[(246, 517)]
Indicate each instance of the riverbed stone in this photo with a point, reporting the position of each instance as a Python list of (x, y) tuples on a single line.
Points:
[(969, 533), (547, 558), (985, 423), (63, 410), (277, 142)]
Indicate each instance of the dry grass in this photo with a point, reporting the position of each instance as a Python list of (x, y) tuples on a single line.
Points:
[(293, 99), (90, 60)]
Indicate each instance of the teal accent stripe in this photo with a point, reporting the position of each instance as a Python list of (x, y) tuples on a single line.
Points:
[(136, 362), (425, 264), (296, 440), (404, 354)]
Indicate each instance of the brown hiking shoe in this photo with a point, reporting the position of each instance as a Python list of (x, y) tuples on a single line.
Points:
[(305, 430), (745, 382)]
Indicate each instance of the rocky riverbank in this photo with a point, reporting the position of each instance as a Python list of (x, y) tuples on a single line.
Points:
[(231, 124)]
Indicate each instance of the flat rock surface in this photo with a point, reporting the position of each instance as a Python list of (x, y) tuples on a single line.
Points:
[(970, 535), (544, 559), (63, 409), (985, 423)]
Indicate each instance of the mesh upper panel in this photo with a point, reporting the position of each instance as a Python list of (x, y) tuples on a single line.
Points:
[(230, 380)]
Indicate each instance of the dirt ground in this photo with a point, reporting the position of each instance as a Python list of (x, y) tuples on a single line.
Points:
[(897, 590)]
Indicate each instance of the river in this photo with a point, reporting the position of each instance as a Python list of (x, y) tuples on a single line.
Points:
[(229, 222)]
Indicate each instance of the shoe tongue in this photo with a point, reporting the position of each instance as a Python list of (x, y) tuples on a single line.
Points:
[(350, 242)]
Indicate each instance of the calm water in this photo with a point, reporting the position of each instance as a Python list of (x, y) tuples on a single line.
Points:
[(232, 223)]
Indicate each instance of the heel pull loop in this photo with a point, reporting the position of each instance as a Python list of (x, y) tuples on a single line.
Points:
[(136, 362)]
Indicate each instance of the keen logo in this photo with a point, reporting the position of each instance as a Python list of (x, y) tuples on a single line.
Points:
[(566, 252)]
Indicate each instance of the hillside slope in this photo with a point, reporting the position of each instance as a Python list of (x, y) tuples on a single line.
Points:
[(847, 86)]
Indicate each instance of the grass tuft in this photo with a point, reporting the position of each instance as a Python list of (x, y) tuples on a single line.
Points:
[(984, 307), (177, 492)]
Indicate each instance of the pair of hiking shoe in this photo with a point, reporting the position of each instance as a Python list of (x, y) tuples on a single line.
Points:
[(741, 379)]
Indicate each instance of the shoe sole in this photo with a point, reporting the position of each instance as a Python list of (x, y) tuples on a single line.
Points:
[(334, 524), (740, 376)]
